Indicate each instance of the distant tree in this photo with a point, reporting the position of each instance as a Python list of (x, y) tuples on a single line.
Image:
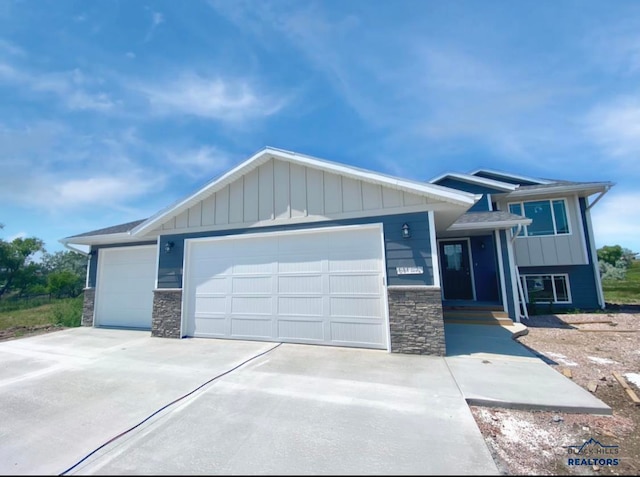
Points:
[(64, 283), (610, 254), (17, 267), (613, 261), (65, 261)]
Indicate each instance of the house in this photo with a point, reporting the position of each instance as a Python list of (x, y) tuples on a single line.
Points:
[(290, 248)]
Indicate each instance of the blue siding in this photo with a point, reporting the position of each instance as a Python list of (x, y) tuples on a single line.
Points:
[(93, 264), (511, 306), (415, 251), (483, 204), (582, 284), (485, 272)]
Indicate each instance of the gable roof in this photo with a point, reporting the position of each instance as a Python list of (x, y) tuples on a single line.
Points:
[(503, 186), (432, 191), (114, 229)]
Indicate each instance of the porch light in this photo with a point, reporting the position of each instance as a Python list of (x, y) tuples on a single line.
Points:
[(406, 231), (168, 246)]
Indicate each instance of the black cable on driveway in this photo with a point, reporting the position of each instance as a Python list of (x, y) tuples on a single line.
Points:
[(114, 438)]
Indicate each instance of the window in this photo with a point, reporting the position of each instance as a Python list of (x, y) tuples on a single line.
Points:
[(546, 288), (549, 217)]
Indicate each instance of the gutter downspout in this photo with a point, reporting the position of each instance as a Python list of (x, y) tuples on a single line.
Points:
[(81, 252), (522, 305)]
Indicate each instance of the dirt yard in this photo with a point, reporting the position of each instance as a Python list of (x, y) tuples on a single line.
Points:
[(532, 442)]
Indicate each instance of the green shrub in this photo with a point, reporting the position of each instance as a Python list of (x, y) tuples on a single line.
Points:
[(67, 312)]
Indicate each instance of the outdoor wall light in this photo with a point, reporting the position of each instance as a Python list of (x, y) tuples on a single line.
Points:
[(406, 231), (168, 246)]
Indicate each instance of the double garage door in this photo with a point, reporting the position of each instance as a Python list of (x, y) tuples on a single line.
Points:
[(321, 287)]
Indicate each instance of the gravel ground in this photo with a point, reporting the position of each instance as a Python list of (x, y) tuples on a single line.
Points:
[(589, 348)]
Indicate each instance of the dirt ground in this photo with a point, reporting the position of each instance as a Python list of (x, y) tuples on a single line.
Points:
[(24, 331), (525, 442)]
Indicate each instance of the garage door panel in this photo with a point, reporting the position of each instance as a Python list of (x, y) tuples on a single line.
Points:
[(361, 307), (253, 285), (355, 284), (212, 285), (301, 330), (300, 306), (251, 305), (362, 333), (251, 327), (211, 325), (204, 268), (210, 303), (324, 287), (298, 264), (309, 284)]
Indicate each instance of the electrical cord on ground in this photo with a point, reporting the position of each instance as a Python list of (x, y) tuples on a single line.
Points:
[(114, 438)]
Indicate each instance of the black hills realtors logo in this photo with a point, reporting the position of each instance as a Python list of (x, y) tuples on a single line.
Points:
[(592, 452)]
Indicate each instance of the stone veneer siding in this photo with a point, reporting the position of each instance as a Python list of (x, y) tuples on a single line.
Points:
[(167, 313), (415, 320), (88, 306)]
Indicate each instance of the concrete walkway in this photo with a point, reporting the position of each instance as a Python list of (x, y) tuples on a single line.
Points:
[(295, 410), (492, 369)]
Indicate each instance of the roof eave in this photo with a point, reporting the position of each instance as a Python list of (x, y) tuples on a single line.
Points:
[(503, 224), (580, 189), (476, 180)]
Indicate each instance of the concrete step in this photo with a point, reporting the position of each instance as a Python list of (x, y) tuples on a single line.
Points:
[(477, 315)]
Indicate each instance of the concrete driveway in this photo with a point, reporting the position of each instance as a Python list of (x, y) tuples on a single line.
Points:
[(295, 410)]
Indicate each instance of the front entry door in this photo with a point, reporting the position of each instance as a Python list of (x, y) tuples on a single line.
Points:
[(456, 270)]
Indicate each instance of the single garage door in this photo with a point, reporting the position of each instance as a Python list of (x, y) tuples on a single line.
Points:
[(125, 282), (322, 287)]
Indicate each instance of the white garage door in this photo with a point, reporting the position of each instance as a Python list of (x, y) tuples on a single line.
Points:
[(322, 286), (125, 282)]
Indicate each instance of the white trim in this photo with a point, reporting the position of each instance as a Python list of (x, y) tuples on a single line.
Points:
[(190, 241), (553, 217), (514, 277), (553, 286), (504, 186), (471, 275), (385, 281), (424, 189), (503, 285), (489, 205), (560, 189), (157, 262), (435, 259), (594, 258), (86, 279), (506, 224), (511, 176)]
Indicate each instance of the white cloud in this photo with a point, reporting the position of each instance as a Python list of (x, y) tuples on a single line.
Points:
[(130, 54), (205, 161), (11, 238), (11, 48), (71, 87), (157, 19), (224, 99), (616, 220), (615, 127)]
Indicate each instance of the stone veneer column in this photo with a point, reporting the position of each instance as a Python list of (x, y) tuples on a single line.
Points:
[(87, 306), (167, 313), (415, 320)]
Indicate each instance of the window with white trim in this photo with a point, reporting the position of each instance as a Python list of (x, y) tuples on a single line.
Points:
[(546, 288), (549, 217)]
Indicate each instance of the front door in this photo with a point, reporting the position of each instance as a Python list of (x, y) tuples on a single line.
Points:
[(456, 270)]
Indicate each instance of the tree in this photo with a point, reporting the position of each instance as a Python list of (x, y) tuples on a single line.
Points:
[(64, 283), (60, 261), (610, 254), (17, 268)]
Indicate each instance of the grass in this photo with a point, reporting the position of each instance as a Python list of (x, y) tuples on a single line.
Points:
[(64, 312), (625, 291)]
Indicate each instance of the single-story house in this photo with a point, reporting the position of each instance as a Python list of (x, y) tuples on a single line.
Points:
[(291, 248)]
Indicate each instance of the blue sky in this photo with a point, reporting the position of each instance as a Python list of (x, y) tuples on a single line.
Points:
[(112, 110)]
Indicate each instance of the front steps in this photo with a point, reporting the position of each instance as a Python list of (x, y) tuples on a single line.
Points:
[(476, 315)]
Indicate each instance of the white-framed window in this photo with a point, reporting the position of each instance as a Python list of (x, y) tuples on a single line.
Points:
[(552, 288), (549, 217)]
